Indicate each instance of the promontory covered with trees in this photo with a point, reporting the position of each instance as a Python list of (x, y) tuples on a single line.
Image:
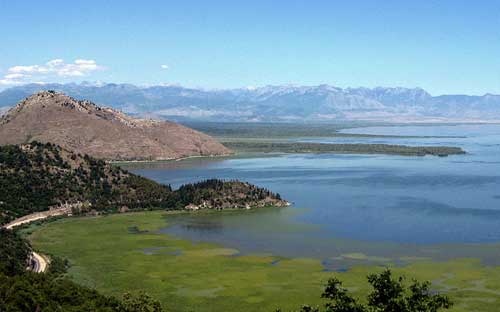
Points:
[(37, 176)]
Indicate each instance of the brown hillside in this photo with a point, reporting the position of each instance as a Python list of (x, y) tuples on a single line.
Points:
[(86, 128)]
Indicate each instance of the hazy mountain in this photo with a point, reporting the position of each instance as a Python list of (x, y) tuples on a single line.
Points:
[(86, 128), (276, 103)]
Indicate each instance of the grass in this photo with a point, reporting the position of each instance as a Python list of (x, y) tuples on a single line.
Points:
[(123, 252)]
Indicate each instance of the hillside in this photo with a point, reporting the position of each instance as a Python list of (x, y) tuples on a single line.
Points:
[(37, 176), (278, 103), (86, 128)]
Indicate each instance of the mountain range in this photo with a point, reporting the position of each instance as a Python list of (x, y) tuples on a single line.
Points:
[(275, 103)]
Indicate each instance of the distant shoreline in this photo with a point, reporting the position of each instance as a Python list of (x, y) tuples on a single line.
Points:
[(167, 160), (335, 148)]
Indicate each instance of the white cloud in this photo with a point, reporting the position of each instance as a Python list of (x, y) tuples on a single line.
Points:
[(16, 76), (54, 68), (56, 62), (28, 69), (164, 66)]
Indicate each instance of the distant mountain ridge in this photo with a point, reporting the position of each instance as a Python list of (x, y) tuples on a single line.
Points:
[(105, 133), (276, 103)]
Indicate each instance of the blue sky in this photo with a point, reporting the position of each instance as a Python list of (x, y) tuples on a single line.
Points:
[(442, 46)]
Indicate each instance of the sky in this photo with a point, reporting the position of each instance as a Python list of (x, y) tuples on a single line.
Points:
[(445, 47)]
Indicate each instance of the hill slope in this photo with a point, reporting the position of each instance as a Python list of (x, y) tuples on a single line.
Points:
[(86, 128), (35, 177)]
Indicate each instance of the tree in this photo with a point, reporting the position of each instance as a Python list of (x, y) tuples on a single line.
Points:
[(389, 295), (140, 303), (14, 252)]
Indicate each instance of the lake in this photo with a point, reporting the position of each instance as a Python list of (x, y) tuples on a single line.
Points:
[(359, 208)]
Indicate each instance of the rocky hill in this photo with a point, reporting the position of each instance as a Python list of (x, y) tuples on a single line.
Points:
[(38, 176), (85, 128)]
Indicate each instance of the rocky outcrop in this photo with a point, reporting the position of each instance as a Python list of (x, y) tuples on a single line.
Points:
[(85, 128)]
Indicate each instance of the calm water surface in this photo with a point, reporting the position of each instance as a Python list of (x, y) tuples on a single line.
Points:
[(360, 207)]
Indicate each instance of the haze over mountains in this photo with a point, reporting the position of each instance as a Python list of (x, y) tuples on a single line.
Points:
[(276, 103)]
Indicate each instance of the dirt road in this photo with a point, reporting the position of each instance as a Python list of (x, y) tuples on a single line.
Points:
[(37, 216)]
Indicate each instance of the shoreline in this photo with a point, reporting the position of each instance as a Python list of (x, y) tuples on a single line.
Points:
[(168, 160), (345, 148)]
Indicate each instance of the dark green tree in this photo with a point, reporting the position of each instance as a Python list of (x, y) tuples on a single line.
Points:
[(14, 252), (388, 295)]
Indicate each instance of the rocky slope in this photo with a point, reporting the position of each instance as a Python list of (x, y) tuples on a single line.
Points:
[(85, 128), (37, 177)]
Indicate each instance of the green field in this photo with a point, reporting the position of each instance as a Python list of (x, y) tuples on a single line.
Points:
[(123, 252)]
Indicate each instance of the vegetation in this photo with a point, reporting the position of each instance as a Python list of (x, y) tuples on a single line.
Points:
[(217, 194), (188, 276), (297, 147), (388, 295), (21, 290), (14, 252), (36, 176), (41, 292)]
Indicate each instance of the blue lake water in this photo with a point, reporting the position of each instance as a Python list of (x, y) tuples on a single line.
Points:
[(385, 207)]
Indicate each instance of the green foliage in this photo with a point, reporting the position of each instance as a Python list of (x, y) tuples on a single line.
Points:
[(340, 300), (14, 252), (218, 194), (58, 265), (41, 292), (140, 303), (24, 189), (388, 295), (37, 176)]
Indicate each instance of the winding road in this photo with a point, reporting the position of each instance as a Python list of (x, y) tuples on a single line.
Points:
[(38, 262)]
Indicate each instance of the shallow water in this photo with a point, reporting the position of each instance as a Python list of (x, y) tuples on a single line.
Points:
[(360, 207)]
